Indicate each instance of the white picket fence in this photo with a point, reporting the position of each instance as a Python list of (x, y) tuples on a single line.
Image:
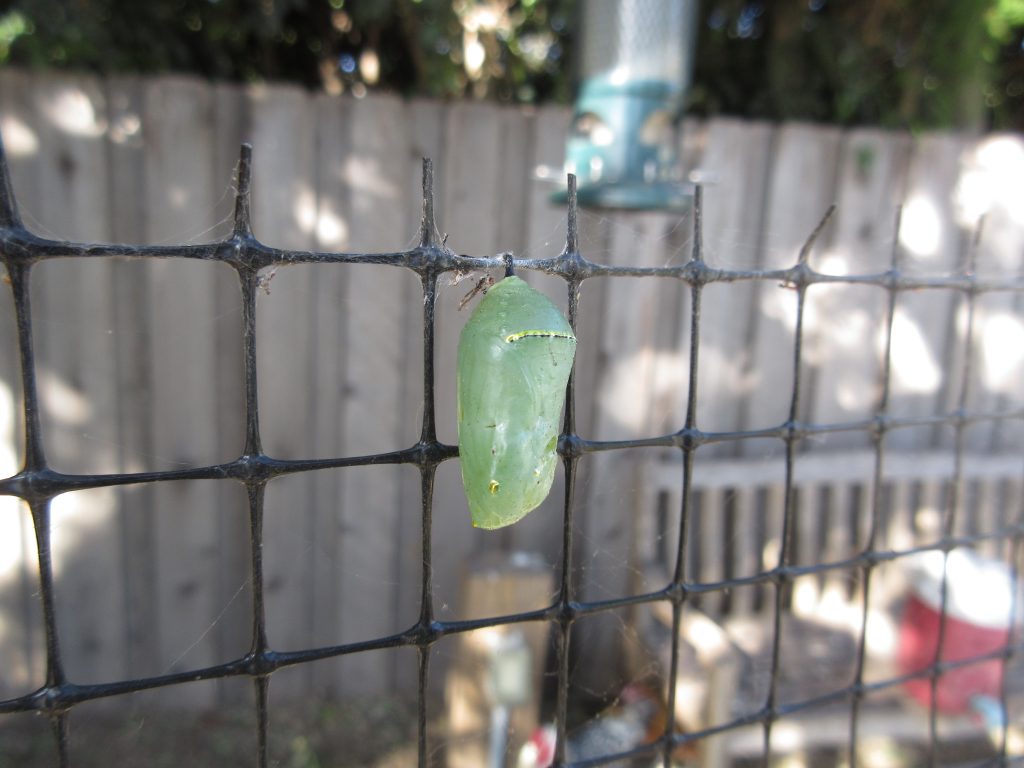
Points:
[(736, 527), (140, 362)]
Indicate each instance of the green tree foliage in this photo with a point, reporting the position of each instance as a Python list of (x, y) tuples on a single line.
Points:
[(430, 47), (906, 63), (902, 63)]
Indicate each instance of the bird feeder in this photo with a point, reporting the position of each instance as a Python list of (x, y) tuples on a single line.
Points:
[(635, 68)]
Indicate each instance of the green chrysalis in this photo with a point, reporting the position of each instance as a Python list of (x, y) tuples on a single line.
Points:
[(515, 354)]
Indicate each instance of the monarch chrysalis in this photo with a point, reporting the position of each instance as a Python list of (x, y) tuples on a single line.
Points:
[(515, 354)]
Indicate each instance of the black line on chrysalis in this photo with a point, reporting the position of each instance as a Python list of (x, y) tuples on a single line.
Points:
[(538, 335)]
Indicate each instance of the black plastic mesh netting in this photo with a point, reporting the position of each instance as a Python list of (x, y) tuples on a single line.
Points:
[(38, 484)]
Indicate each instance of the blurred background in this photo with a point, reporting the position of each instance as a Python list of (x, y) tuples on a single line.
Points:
[(122, 121), (888, 63)]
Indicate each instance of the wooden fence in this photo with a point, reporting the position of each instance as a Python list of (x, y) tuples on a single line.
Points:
[(140, 363)]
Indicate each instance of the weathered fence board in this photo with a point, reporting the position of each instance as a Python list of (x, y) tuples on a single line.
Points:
[(177, 115), (735, 161), (990, 177), (844, 327), (130, 298), (284, 214), (801, 188), (75, 369), (374, 418), (233, 620), (331, 569), (924, 341), (140, 364)]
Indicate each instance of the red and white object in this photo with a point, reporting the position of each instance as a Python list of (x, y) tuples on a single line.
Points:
[(979, 608), (636, 718)]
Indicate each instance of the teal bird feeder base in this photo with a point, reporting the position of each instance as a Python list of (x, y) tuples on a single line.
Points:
[(622, 145)]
